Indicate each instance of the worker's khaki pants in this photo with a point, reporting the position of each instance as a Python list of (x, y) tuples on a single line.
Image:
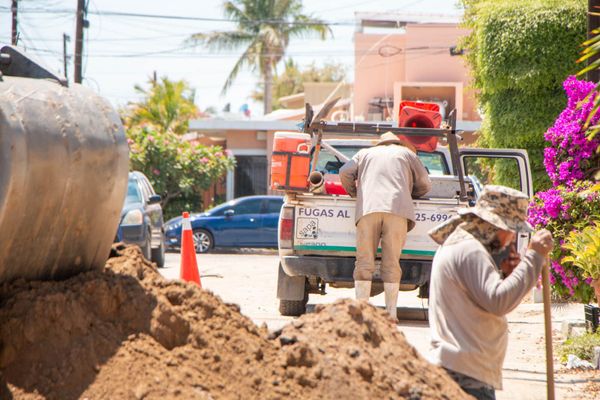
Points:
[(391, 229)]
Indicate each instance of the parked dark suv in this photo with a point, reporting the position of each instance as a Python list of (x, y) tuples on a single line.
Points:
[(142, 219)]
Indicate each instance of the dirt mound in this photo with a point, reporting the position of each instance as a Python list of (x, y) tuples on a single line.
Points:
[(125, 332), (355, 347)]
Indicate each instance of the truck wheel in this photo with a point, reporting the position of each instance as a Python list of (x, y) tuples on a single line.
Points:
[(292, 308), (158, 255)]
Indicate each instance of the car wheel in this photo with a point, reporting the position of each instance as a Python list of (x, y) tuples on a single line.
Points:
[(203, 241), (158, 255), (147, 248)]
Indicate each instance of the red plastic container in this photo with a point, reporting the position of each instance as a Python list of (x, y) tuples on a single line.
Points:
[(332, 187)]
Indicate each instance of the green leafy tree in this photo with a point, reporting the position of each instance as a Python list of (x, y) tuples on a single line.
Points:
[(519, 53), (167, 106), (263, 29), (292, 80), (179, 171)]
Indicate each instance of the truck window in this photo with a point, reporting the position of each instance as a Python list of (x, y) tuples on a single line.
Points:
[(328, 163), (434, 162), (494, 171)]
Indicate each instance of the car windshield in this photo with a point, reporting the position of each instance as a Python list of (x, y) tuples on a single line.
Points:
[(133, 192), (328, 163)]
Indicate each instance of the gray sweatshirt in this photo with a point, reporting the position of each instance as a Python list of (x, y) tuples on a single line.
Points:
[(468, 301), (386, 176)]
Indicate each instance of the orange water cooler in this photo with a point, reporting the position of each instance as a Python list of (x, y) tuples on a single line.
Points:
[(290, 161)]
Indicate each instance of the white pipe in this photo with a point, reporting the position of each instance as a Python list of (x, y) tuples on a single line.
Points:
[(316, 182)]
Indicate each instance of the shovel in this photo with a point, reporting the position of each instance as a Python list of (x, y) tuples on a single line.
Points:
[(548, 331)]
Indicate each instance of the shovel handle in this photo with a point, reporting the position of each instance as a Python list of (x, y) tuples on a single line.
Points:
[(548, 331)]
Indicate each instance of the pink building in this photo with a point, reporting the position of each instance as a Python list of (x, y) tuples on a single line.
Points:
[(409, 57), (397, 57)]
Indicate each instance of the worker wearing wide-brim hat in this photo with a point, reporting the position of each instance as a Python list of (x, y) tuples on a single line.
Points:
[(469, 295), (383, 178)]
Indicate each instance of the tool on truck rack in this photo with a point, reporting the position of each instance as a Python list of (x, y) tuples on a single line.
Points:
[(317, 127)]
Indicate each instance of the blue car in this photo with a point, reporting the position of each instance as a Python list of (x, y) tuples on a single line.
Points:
[(244, 222), (142, 219)]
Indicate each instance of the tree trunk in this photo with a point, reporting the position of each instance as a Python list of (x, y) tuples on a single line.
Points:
[(268, 95)]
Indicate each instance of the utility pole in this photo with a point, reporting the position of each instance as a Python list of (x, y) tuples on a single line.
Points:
[(593, 22), (66, 38), (81, 11), (13, 35)]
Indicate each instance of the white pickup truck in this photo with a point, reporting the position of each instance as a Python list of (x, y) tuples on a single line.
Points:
[(317, 232)]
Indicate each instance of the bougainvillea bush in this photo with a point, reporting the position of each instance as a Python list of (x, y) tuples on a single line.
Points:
[(573, 202)]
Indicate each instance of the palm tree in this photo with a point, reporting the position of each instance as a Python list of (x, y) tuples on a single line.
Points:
[(264, 29), (167, 105)]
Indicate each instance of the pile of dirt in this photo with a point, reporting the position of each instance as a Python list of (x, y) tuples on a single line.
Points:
[(356, 347), (127, 333)]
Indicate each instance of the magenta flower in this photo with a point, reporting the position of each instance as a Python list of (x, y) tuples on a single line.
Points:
[(569, 204)]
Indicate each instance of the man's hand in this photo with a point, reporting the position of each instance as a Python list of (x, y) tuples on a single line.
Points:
[(514, 258), (542, 242)]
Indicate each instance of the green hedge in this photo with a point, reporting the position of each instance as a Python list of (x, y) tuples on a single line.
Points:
[(520, 52)]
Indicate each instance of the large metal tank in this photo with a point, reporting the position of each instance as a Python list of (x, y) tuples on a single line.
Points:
[(63, 173)]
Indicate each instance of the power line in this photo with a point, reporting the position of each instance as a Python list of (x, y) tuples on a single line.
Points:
[(181, 17), (179, 52)]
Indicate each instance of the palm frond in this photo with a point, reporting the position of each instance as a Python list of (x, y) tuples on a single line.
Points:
[(221, 40), (245, 59), (591, 66)]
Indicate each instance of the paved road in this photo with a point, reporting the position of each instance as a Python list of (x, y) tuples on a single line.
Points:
[(249, 280)]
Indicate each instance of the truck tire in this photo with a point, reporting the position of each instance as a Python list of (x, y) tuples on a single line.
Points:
[(293, 308)]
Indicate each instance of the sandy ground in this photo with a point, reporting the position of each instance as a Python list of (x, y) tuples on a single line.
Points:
[(249, 279)]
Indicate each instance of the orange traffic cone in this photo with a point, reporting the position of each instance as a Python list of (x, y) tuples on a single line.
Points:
[(189, 264)]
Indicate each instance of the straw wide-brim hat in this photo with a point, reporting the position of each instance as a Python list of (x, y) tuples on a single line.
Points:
[(503, 207), (390, 138)]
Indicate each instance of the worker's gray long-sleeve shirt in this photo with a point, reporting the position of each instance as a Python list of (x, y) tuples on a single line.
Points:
[(468, 300), (386, 176)]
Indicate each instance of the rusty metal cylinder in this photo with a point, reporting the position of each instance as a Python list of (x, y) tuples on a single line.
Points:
[(63, 177)]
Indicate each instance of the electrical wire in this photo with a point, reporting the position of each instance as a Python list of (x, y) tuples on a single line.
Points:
[(181, 17)]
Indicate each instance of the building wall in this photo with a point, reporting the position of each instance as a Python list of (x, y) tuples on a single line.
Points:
[(420, 55), (374, 75)]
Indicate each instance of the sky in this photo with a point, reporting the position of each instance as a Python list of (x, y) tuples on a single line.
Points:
[(122, 51)]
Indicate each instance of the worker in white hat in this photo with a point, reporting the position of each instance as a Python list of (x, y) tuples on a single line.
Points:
[(383, 179), (471, 289)]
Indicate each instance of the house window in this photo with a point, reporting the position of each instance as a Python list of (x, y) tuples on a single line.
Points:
[(250, 175)]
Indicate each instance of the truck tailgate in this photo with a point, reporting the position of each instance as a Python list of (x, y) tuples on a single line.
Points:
[(326, 225)]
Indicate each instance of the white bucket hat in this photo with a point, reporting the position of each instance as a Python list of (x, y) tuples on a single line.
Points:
[(390, 138)]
